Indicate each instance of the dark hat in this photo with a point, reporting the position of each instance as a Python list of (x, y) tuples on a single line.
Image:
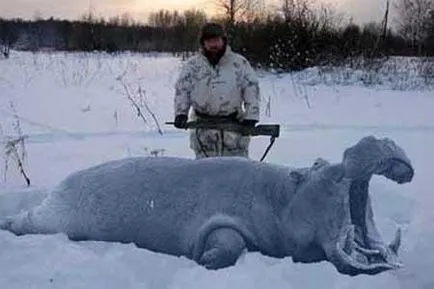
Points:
[(212, 30)]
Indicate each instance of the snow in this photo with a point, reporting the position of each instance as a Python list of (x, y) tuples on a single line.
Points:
[(74, 111)]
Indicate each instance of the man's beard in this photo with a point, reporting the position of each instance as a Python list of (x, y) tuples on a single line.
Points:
[(214, 56)]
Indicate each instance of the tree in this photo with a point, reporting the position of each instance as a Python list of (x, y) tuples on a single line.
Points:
[(8, 36), (253, 10), (296, 11), (430, 38), (233, 11), (351, 40), (193, 20), (414, 19), (164, 18)]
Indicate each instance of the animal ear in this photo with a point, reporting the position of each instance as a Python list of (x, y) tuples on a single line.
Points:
[(297, 176), (319, 162)]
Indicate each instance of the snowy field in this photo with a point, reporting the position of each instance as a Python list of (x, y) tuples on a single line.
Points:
[(75, 110)]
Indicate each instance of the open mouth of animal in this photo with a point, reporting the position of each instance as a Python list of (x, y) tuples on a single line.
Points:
[(360, 247)]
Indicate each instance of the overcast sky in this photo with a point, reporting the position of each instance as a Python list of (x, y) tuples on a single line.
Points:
[(361, 10)]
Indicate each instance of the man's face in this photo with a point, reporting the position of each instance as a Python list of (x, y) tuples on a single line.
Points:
[(214, 45)]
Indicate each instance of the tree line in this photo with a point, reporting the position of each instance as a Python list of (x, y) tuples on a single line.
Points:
[(295, 35)]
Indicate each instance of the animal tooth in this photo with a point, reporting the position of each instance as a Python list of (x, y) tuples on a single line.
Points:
[(368, 252), (349, 240), (396, 243)]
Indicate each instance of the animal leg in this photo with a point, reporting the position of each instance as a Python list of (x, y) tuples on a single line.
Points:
[(222, 249)]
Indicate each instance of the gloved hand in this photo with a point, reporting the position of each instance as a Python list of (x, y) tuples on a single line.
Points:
[(249, 122), (181, 121)]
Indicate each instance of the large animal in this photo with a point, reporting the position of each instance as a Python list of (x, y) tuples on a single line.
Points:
[(212, 210)]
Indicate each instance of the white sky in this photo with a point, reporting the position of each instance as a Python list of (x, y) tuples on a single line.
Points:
[(362, 10)]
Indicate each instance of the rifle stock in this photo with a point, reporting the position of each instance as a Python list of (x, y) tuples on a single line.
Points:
[(272, 130)]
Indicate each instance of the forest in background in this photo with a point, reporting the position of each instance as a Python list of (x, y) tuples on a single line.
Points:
[(293, 36)]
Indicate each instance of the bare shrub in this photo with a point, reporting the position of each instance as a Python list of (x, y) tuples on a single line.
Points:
[(139, 102), (4, 51), (15, 149), (426, 70)]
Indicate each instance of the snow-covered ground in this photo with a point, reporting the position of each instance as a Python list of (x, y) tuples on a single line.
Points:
[(74, 112)]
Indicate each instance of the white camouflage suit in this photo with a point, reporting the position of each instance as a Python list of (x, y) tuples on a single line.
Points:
[(229, 87)]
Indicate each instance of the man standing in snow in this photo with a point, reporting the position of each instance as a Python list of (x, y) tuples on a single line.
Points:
[(220, 86)]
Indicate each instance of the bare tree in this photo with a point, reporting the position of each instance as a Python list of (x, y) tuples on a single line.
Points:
[(413, 20), (4, 50), (386, 20), (253, 9), (15, 148), (8, 36), (239, 10), (164, 18), (231, 9), (126, 19), (296, 10), (381, 33), (193, 21), (430, 40)]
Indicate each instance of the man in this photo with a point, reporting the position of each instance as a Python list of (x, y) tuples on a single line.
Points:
[(219, 85)]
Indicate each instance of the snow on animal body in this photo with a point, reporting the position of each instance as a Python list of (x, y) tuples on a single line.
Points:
[(211, 210)]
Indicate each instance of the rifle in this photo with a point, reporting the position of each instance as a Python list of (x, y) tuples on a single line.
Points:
[(272, 130)]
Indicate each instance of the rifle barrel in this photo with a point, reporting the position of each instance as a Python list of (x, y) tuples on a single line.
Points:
[(262, 129)]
